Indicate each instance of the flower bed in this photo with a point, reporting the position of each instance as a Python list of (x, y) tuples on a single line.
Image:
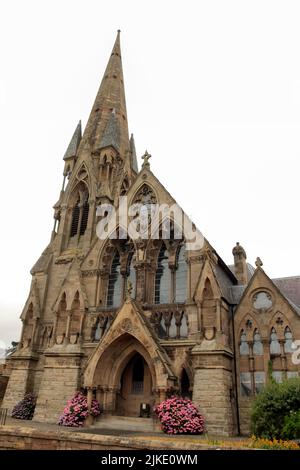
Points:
[(76, 411), (179, 416)]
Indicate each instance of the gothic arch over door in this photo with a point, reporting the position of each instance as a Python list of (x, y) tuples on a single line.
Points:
[(121, 384)]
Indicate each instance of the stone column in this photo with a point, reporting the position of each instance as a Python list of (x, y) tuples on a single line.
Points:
[(62, 229), (283, 358), (90, 224), (53, 341), (69, 316), (218, 317), (162, 394), (89, 398), (251, 366), (82, 312), (199, 315), (266, 349)]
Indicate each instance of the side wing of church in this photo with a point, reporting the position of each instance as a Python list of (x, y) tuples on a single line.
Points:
[(133, 321)]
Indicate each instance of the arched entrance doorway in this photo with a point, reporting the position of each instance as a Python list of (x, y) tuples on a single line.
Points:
[(135, 387)]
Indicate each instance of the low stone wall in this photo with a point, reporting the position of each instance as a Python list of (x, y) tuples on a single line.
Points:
[(25, 438)]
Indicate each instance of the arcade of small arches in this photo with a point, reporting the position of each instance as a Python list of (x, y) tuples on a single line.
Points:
[(260, 356)]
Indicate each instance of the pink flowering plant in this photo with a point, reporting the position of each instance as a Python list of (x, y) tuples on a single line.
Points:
[(76, 411), (179, 416)]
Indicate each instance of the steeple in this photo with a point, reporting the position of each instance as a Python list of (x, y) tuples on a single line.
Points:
[(110, 100)]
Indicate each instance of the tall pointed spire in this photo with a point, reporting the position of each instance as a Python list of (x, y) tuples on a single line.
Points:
[(110, 96)]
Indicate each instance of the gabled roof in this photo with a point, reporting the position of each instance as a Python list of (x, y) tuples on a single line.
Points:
[(239, 292)]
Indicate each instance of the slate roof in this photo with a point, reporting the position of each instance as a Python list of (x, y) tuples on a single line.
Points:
[(111, 136), (250, 270), (74, 142), (290, 287)]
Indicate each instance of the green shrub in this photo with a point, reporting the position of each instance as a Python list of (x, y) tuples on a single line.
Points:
[(291, 428), (272, 406)]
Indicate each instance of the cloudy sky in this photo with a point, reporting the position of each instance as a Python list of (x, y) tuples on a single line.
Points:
[(213, 92)]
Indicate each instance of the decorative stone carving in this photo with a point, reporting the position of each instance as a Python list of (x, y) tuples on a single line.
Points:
[(262, 301), (126, 325), (209, 333), (91, 273)]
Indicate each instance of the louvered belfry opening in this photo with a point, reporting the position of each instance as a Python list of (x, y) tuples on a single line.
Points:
[(80, 213), (85, 215), (75, 219)]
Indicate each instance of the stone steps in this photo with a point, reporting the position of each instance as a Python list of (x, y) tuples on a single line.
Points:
[(126, 423)]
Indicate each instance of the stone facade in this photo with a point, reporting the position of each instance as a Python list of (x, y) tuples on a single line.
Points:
[(186, 323)]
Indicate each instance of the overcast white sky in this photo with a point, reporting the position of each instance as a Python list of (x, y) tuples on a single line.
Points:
[(213, 93)]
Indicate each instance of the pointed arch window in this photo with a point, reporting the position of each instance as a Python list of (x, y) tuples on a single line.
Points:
[(85, 216), (114, 290), (181, 276), (288, 340), (75, 218), (257, 343), (162, 277), (80, 212), (244, 346), (274, 343)]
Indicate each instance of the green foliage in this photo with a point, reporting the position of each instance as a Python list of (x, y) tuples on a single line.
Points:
[(291, 428), (271, 407)]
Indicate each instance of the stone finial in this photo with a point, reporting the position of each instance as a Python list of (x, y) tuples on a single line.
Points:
[(133, 154), (240, 264), (258, 262), (146, 158), (239, 251)]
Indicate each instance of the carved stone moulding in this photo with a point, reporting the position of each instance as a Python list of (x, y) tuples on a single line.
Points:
[(91, 273)]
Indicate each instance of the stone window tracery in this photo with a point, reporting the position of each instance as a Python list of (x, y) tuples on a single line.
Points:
[(114, 290), (257, 343), (274, 343), (288, 340), (244, 346), (181, 276), (80, 212), (171, 275), (162, 277)]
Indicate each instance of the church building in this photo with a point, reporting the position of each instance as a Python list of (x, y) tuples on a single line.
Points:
[(133, 320)]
